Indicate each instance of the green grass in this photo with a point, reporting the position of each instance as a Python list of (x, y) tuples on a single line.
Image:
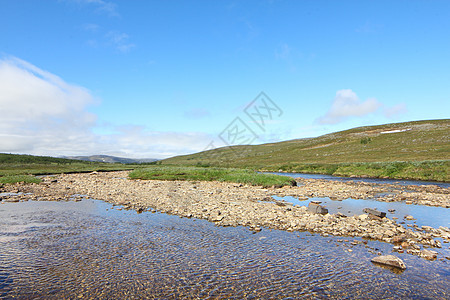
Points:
[(14, 168), (211, 174), (424, 170), (422, 151), (19, 178)]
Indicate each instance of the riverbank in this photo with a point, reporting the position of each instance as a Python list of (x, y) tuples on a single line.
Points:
[(435, 170), (233, 204)]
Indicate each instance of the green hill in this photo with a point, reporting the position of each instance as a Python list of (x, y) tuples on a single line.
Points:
[(419, 150), (15, 164)]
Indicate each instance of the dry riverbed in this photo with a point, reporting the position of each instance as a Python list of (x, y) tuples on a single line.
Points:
[(229, 204)]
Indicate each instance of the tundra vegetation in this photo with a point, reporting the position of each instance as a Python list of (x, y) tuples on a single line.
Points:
[(191, 173), (412, 150), (23, 168)]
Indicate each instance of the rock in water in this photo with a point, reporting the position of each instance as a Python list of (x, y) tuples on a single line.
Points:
[(317, 209), (374, 212), (389, 260), (428, 254)]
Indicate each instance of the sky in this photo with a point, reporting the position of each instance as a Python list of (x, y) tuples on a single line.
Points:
[(155, 79)]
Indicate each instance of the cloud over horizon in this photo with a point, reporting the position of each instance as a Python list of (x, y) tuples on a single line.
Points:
[(44, 115), (346, 104)]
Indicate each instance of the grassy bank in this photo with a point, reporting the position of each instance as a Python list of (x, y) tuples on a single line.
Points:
[(210, 174), (21, 168), (423, 170), (411, 150), (19, 178)]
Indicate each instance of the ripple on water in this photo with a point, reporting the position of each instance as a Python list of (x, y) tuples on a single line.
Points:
[(86, 251)]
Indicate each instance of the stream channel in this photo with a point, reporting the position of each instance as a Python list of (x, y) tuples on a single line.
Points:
[(90, 249)]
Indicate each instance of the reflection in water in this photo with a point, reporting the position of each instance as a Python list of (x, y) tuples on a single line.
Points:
[(423, 215), (86, 249)]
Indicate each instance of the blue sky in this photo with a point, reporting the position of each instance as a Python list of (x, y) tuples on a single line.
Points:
[(163, 78)]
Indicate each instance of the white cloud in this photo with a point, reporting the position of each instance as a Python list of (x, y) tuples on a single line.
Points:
[(42, 114), (37, 106), (143, 143), (393, 111), (347, 104)]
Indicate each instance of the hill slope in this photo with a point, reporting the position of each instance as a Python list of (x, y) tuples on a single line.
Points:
[(112, 159), (15, 164), (417, 141)]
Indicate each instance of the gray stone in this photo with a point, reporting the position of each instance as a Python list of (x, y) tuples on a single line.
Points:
[(389, 260), (428, 254), (374, 212), (341, 215), (317, 209)]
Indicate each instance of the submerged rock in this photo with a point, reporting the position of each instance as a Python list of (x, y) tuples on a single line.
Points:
[(389, 260)]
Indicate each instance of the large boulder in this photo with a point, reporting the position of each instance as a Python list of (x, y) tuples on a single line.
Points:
[(317, 208), (389, 260)]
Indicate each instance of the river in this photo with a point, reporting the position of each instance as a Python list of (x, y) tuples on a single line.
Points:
[(360, 179), (89, 249)]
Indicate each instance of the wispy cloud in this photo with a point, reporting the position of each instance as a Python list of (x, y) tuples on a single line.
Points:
[(283, 52), (44, 115), (107, 7), (288, 55), (346, 104), (120, 41), (396, 110), (91, 27), (138, 142)]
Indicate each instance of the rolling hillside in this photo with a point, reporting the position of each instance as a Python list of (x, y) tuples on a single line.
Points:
[(15, 164), (112, 159), (420, 141)]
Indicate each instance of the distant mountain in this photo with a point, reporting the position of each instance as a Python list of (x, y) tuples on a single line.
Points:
[(112, 159)]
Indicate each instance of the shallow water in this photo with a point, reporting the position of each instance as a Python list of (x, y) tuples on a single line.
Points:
[(369, 180), (423, 215), (86, 249)]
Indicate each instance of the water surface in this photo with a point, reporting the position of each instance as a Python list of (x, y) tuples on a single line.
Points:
[(423, 215), (53, 250), (369, 180)]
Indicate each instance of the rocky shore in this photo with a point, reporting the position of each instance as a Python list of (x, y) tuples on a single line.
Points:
[(430, 195), (229, 204)]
